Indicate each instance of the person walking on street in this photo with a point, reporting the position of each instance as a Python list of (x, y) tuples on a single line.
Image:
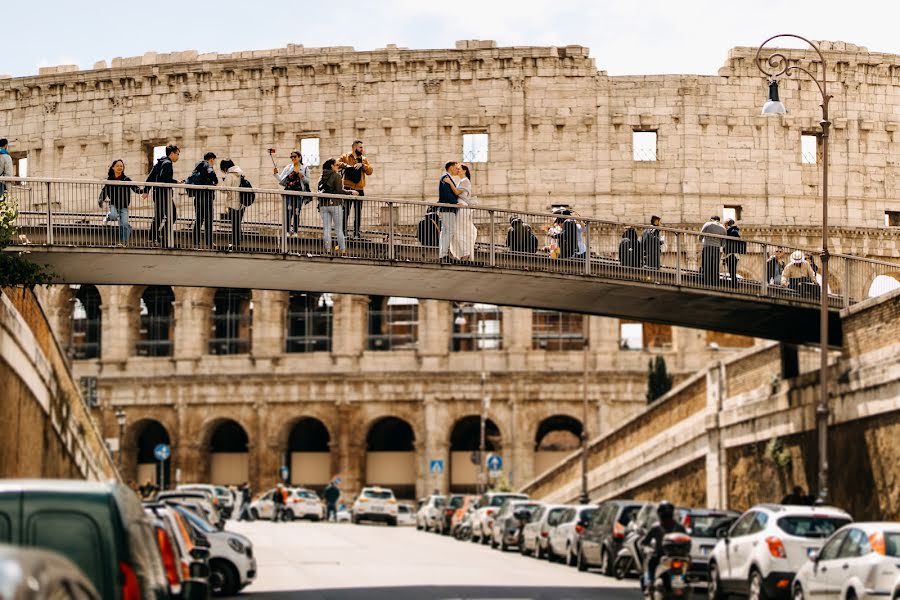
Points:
[(204, 174), (447, 195), (294, 178), (233, 177), (332, 209), (119, 198), (331, 494), (355, 168), (162, 226), (733, 250), (6, 163), (712, 250), (278, 503), (246, 497), (651, 244)]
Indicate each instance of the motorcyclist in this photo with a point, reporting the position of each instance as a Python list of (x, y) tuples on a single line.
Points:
[(653, 541)]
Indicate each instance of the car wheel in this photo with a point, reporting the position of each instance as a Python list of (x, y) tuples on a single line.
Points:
[(622, 567), (223, 579), (540, 552), (851, 595), (550, 555), (757, 589), (798, 593), (418, 526), (570, 559), (254, 513), (392, 522), (288, 516), (714, 587), (605, 563), (581, 562), (494, 543)]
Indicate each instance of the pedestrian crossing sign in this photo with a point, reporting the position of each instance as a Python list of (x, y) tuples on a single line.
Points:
[(436, 466)]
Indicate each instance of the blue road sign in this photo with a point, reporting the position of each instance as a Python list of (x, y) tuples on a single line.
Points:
[(436, 466), (494, 462), (283, 471), (162, 452), (337, 481)]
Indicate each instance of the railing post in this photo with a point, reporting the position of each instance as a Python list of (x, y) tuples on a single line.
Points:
[(390, 230), (677, 258), (847, 279), (284, 223), (587, 245), (493, 258), (764, 289), (49, 218)]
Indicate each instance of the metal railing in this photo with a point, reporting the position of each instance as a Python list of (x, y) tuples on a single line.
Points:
[(63, 212)]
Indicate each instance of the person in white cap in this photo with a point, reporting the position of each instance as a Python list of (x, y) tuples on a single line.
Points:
[(797, 271)]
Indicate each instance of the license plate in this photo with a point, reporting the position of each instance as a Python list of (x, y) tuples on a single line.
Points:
[(705, 550), (677, 581), (377, 508)]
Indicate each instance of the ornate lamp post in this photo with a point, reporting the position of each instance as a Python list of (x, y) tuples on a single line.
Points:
[(120, 420), (586, 346), (775, 66)]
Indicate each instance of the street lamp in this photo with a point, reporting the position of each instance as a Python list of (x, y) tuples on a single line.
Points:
[(120, 420), (774, 67), (585, 497)]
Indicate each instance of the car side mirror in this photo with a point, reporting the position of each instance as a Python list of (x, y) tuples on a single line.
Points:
[(722, 534), (814, 556), (200, 552)]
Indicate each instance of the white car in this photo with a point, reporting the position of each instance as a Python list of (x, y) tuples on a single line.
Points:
[(343, 514), (487, 506), (764, 549), (375, 504), (405, 515), (232, 566), (536, 533), (224, 500), (302, 503), (429, 512), (861, 560), (564, 537)]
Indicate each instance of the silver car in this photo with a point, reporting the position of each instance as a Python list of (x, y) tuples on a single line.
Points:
[(29, 574), (536, 533)]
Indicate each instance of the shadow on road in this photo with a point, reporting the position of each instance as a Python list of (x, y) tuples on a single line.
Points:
[(454, 593)]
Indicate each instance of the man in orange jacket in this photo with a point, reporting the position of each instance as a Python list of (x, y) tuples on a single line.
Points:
[(354, 169)]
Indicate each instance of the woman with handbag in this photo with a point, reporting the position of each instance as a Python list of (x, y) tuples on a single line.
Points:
[(119, 198), (294, 178)]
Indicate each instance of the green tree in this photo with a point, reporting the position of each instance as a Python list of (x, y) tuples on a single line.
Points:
[(658, 380), (15, 269)]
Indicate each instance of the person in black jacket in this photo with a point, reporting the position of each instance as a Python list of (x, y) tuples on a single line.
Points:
[(654, 539), (204, 174), (733, 249), (429, 230), (651, 243), (119, 198), (447, 194), (630, 249), (332, 209), (161, 229), (520, 237)]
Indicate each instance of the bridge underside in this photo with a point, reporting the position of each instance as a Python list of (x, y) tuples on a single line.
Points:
[(768, 318)]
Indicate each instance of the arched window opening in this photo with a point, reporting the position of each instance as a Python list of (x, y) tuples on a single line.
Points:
[(151, 435), (156, 334), (309, 457), (393, 323), (232, 322), (556, 437), (309, 322), (883, 284), (391, 457), (228, 447), (465, 441), (555, 331), (477, 327), (86, 323)]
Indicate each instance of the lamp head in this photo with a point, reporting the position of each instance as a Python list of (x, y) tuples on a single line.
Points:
[(120, 417), (773, 105)]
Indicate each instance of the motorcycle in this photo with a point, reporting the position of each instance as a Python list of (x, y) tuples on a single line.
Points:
[(464, 530), (670, 581), (629, 560)]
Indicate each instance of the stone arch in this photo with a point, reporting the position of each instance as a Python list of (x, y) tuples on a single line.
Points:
[(138, 460), (86, 323), (226, 448), (391, 455), (465, 438), (883, 283), (307, 444), (155, 325), (555, 437)]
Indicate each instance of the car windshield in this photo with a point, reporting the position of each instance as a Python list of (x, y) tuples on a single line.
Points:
[(892, 543), (195, 520), (402, 508), (707, 525), (587, 514), (628, 513), (456, 501), (812, 526), (378, 494), (499, 500), (307, 494)]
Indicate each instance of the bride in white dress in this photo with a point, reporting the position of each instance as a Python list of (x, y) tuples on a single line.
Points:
[(462, 246)]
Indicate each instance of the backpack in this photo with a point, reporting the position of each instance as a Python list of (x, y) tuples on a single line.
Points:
[(195, 178), (247, 198)]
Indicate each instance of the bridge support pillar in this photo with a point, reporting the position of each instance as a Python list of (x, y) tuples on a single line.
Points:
[(716, 457)]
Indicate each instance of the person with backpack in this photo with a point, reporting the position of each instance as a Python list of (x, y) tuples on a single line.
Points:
[(294, 178), (119, 198), (332, 209), (733, 249), (630, 251), (164, 215), (520, 237), (234, 201), (429, 229), (652, 242), (204, 174), (354, 168)]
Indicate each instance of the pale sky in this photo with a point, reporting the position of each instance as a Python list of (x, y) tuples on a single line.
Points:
[(625, 36)]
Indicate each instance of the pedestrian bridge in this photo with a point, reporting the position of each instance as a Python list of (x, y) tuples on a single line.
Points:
[(62, 226)]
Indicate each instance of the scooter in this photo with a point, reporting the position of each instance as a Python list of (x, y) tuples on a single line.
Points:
[(630, 558), (464, 530), (670, 581)]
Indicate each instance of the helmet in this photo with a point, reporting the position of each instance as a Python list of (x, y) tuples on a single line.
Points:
[(797, 256), (665, 510)]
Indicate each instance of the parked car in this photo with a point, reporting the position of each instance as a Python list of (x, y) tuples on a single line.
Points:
[(485, 509), (199, 499), (343, 514), (41, 575), (375, 504), (302, 503), (232, 566), (603, 535), (536, 533), (704, 525), (100, 527), (224, 499), (508, 522), (564, 538), (405, 515), (861, 560), (427, 515), (896, 593), (445, 515), (181, 584), (189, 563), (766, 546)]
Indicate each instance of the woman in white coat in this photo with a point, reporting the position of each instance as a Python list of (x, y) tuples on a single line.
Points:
[(462, 246), (233, 176)]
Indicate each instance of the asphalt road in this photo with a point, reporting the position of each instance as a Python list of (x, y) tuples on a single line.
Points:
[(327, 561)]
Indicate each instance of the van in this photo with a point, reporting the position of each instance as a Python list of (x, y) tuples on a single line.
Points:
[(100, 527)]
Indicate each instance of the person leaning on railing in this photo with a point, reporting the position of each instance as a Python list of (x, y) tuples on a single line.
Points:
[(332, 209), (798, 271)]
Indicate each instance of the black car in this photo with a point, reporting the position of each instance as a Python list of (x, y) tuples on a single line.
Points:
[(604, 533)]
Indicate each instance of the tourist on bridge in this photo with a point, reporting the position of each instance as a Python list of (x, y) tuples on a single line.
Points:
[(6, 163), (332, 209), (520, 237), (774, 267), (204, 174), (119, 198), (798, 272), (652, 243), (233, 177), (712, 250), (733, 249), (162, 226), (462, 246), (447, 195), (630, 250), (294, 178), (429, 230), (355, 168)]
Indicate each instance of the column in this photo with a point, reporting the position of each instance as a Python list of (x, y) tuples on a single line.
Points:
[(520, 455), (268, 323), (193, 308), (435, 322), (516, 336), (690, 349), (435, 446), (350, 325), (118, 326)]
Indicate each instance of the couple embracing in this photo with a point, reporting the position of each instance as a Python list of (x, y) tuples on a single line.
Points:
[(458, 231)]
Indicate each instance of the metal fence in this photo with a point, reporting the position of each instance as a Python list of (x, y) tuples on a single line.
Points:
[(73, 213)]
